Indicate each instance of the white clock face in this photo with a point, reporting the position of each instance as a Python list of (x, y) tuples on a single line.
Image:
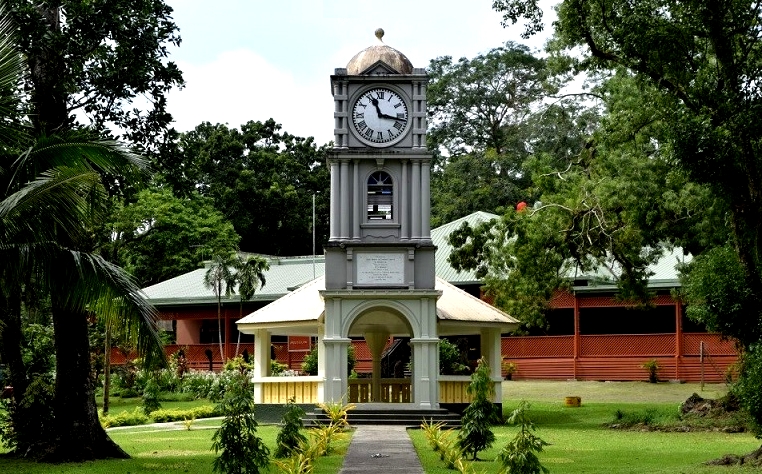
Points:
[(380, 117)]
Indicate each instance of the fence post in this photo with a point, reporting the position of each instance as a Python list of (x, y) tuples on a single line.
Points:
[(701, 359)]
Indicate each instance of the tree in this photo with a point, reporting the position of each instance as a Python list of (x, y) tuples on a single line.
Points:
[(475, 433), (240, 450), (54, 198), (96, 57), (702, 60), (518, 456), (219, 278), (249, 274), (617, 204), (257, 164), (160, 236), (79, 284), (488, 115)]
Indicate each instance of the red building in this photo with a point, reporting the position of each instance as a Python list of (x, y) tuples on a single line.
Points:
[(591, 336)]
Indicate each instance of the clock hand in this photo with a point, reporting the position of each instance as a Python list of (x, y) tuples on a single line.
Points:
[(375, 104), (393, 118)]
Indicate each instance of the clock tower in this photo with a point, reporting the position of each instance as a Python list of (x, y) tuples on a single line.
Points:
[(379, 275)]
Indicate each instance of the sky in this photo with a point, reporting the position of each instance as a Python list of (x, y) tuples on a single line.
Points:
[(248, 60)]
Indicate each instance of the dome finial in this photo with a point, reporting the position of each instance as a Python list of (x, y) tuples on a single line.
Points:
[(380, 34)]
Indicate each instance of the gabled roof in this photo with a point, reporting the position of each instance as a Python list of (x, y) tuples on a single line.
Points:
[(664, 273), (284, 275), (439, 237), (300, 310), (288, 273)]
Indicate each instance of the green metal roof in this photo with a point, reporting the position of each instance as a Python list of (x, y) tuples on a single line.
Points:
[(439, 237), (285, 274), (288, 273)]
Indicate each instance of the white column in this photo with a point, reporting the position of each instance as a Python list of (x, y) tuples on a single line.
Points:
[(335, 197), (425, 200), (261, 361), (415, 202), (357, 201), (335, 368), (376, 341), (321, 366), (403, 202), (425, 372), (344, 206), (490, 344)]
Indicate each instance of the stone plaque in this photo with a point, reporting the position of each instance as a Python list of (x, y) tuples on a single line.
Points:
[(379, 269)]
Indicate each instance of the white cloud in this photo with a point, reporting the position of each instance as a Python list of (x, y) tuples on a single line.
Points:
[(240, 85)]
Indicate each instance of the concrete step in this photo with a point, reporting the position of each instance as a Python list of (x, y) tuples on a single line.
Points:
[(388, 414)]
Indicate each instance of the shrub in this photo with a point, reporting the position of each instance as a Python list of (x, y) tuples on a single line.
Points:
[(451, 359), (475, 433), (276, 368), (29, 421), (175, 414), (310, 362), (290, 438), (239, 449), (125, 418), (748, 388), (519, 455), (198, 384), (151, 397), (652, 367)]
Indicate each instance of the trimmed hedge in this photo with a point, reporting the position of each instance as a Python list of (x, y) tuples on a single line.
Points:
[(176, 414), (136, 417)]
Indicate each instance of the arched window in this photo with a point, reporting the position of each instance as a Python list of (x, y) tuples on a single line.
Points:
[(380, 196)]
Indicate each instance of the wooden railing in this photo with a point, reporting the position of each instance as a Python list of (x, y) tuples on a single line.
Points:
[(279, 390), (392, 390)]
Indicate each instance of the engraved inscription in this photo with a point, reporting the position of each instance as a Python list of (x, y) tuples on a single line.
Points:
[(380, 269)]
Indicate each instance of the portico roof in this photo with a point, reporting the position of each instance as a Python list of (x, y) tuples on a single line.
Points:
[(300, 311)]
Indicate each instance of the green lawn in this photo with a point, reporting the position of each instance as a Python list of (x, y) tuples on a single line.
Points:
[(580, 443), (161, 450)]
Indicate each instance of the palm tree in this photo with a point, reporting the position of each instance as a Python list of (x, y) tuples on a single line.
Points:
[(250, 274), (219, 278), (51, 196)]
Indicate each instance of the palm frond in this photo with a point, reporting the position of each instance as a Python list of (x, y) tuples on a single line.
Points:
[(87, 283), (11, 74), (52, 206)]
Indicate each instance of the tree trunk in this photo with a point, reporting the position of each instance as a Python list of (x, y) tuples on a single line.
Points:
[(78, 432), (107, 370), (11, 340), (48, 93)]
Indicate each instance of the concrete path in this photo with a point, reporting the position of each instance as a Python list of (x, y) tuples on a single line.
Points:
[(378, 449)]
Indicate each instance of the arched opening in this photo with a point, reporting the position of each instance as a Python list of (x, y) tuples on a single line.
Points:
[(380, 196), (386, 333)]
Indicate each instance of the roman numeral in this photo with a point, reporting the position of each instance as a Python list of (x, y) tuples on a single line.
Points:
[(398, 125), (398, 105), (379, 135), (368, 132), (380, 94), (359, 115), (362, 125)]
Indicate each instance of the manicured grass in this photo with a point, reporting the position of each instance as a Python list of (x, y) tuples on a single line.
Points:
[(169, 451), (581, 443)]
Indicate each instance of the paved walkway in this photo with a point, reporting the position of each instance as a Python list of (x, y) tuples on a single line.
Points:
[(380, 449)]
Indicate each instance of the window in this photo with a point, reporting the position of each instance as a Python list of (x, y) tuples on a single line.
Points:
[(380, 196)]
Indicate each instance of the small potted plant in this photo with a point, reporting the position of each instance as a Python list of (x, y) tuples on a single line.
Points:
[(509, 368)]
